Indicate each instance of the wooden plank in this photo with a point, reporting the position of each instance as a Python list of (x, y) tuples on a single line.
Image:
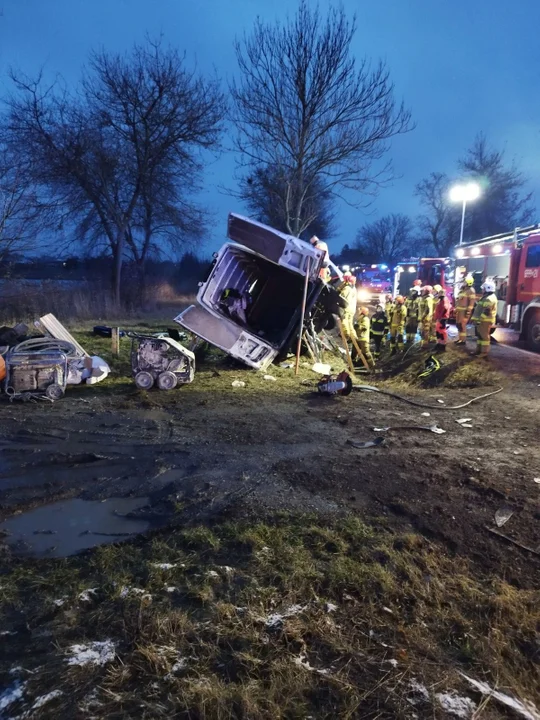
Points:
[(56, 330)]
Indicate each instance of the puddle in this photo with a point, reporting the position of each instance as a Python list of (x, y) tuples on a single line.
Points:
[(67, 527)]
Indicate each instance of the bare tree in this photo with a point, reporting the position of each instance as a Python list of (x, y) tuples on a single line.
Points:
[(504, 203), (98, 151), (305, 107), (265, 193), (389, 239), (440, 224)]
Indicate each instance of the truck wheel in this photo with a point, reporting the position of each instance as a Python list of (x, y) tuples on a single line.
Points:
[(167, 380), (144, 380), (533, 332)]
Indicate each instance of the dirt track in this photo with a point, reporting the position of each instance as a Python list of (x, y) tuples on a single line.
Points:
[(209, 448)]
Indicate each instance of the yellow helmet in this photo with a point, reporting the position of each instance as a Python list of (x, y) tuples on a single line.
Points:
[(437, 289), (469, 280)]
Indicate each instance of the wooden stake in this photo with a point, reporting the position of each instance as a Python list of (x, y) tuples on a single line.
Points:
[(115, 338), (361, 354), (302, 317), (511, 540), (345, 345)]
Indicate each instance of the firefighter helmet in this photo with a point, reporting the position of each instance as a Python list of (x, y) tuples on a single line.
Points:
[(400, 299), (427, 289), (437, 289), (469, 280), (388, 297), (363, 310), (488, 286)]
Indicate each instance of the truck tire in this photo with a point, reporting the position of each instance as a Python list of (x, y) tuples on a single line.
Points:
[(533, 332), (144, 380)]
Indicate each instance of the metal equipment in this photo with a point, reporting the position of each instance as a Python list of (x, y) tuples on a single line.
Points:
[(37, 369), (161, 361)]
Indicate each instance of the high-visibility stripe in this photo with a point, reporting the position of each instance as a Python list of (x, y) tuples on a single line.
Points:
[(483, 342)]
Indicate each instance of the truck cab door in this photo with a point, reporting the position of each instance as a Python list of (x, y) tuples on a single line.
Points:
[(528, 281)]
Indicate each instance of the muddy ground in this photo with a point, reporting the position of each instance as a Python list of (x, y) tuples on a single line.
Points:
[(209, 448)]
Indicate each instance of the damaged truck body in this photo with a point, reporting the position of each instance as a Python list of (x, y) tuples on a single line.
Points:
[(250, 303)]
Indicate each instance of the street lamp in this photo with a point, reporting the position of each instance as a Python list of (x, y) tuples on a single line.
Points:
[(464, 194)]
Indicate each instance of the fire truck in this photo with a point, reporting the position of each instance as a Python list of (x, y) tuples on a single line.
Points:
[(512, 262), (431, 271)]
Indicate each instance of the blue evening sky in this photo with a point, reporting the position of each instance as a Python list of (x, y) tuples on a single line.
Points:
[(462, 66)]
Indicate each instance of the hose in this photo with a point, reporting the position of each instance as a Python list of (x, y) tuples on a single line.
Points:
[(370, 388)]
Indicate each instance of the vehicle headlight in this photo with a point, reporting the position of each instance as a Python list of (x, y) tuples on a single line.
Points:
[(364, 295)]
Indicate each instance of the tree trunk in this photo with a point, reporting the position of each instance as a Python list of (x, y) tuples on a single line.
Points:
[(118, 261)]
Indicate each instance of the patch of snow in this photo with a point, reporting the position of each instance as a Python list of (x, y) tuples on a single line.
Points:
[(59, 602), (85, 596), (419, 689), (303, 662), (330, 607), (212, 574), (265, 549), (455, 704), (43, 699), (393, 662), (95, 653), (171, 589), (90, 702), (7, 632), (17, 670), (226, 569), (164, 566), (524, 708), (269, 377), (12, 694), (180, 664), (275, 619), (125, 591)]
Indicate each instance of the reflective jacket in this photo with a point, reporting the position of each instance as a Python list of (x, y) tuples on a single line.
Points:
[(389, 310), (486, 309), (399, 315), (466, 298), (442, 309), (363, 328), (379, 323), (348, 293), (412, 303), (426, 307)]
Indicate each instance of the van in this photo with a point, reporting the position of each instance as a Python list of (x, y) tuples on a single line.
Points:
[(250, 304)]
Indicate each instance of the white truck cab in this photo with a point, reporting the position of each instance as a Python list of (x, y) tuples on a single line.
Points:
[(250, 304)]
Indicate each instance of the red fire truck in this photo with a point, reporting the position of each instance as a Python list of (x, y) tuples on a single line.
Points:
[(512, 261), (431, 271)]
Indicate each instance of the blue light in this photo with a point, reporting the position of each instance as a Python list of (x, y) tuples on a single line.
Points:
[(384, 267)]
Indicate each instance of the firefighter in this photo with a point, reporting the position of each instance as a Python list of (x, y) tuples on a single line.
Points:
[(433, 333), (397, 324), (413, 306), (324, 272), (426, 314), (465, 302), (363, 335), (348, 294), (441, 315), (389, 309), (485, 316), (379, 328)]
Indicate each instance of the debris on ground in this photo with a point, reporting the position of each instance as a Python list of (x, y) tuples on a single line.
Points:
[(464, 420), (322, 368), (524, 709), (502, 516), (431, 428), (270, 377), (362, 445), (160, 361), (238, 383)]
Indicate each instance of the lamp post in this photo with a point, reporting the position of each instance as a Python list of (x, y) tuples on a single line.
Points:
[(464, 194)]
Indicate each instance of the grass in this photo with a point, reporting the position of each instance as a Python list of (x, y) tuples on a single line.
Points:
[(282, 617)]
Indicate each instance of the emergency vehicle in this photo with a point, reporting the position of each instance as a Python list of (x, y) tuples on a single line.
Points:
[(431, 271), (512, 262)]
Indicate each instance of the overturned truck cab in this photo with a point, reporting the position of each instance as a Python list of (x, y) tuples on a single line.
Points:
[(250, 303)]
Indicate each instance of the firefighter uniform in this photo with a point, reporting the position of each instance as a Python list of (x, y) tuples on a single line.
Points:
[(363, 336), (379, 328), (426, 317), (485, 316), (324, 273), (441, 315), (413, 307), (348, 293), (397, 324), (465, 302)]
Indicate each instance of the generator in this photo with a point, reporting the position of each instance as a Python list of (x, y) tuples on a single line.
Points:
[(160, 361), (36, 369)]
